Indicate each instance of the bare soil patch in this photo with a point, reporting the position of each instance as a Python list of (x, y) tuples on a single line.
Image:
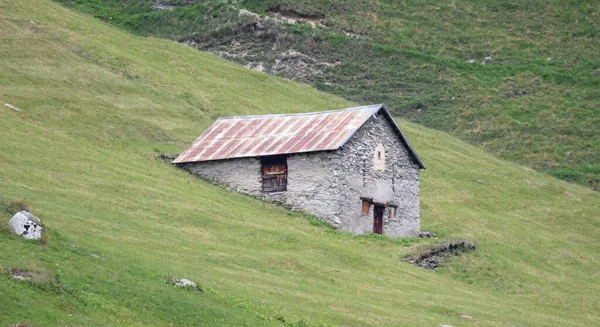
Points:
[(434, 255)]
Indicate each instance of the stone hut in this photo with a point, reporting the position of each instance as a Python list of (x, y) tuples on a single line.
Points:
[(353, 168)]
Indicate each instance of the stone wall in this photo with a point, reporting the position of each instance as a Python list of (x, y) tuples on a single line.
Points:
[(360, 174), (241, 174), (374, 163), (309, 185)]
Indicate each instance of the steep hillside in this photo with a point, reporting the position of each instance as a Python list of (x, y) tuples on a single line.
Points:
[(96, 107), (534, 102)]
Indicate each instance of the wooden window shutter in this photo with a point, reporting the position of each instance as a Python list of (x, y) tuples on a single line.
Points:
[(365, 207), (274, 174)]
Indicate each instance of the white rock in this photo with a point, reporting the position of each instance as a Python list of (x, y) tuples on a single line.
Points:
[(467, 317), (11, 107), (184, 283), (244, 12), (19, 277), (27, 225), (163, 7)]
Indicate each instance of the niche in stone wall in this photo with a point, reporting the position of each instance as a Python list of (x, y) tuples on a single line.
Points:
[(379, 157)]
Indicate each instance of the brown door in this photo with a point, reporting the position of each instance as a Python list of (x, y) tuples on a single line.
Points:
[(378, 219)]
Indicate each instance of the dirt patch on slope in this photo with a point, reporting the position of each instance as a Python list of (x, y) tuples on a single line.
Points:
[(433, 256), (21, 274)]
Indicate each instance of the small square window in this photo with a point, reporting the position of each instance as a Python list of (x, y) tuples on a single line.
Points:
[(366, 205), (274, 174)]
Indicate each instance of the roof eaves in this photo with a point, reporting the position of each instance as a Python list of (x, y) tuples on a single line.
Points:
[(181, 155), (404, 139)]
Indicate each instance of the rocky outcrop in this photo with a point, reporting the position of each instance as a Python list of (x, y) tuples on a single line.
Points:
[(297, 66), (262, 43)]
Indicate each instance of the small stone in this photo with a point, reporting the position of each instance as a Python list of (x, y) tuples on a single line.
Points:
[(470, 61), (19, 277), (480, 181), (185, 283), (466, 317), (441, 325), (11, 107)]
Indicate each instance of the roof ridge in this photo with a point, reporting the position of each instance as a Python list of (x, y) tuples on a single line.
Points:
[(371, 107)]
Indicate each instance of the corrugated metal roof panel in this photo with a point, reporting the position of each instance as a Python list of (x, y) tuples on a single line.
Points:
[(257, 136), (254, 136)]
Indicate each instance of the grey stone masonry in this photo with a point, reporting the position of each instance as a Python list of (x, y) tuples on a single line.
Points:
[(374, 164)]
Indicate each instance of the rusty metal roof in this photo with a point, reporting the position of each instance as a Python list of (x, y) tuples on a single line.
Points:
[(257, 136)]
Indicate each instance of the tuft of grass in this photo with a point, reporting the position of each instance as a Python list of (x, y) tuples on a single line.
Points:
[(9, 208)]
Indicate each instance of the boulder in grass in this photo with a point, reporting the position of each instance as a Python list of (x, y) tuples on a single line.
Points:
[(27, 225), (185, 283)]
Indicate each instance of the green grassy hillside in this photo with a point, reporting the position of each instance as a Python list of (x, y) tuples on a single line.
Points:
[(535, 103), (97, 105)]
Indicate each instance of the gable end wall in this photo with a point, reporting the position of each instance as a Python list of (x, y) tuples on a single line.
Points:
[(361, 176)]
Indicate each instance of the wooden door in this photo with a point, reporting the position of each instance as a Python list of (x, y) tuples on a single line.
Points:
[(378, 219)]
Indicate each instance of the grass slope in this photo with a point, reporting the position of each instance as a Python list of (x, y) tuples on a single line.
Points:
[(536, 103), (97, 104)]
